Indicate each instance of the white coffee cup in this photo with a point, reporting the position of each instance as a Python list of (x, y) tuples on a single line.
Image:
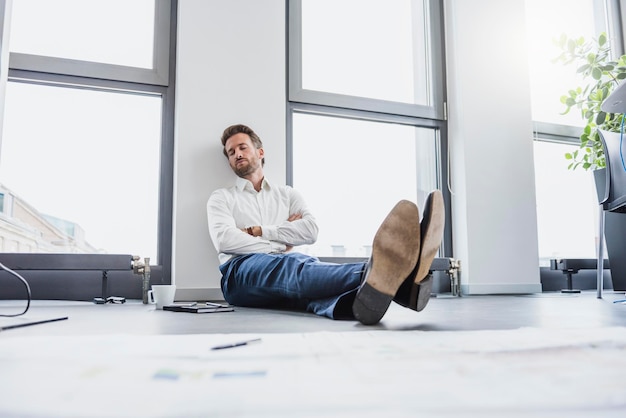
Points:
[(161, 295)]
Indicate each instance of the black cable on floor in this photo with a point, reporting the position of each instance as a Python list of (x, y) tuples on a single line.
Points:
[(5, 268)]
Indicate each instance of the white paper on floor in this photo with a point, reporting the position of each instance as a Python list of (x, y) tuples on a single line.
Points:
[(369, 373)]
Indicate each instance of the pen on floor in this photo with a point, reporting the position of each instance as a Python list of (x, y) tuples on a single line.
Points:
[(207, 304), (215, 305), (27, 324), (237, 344)]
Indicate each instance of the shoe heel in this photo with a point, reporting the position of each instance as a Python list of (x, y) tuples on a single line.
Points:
[(370, 305), (423, 292)]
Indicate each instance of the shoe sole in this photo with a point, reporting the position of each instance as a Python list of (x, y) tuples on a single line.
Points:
[(431, 231), (395, 253)]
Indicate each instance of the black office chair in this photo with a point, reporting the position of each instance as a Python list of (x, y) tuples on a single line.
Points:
[(614, 197), (612, 200)]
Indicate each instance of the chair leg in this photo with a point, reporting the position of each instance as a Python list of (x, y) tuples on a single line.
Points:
[(600, 263)]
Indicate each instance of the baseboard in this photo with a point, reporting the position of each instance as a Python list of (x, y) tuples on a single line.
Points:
[(500, 289), (192, 294)]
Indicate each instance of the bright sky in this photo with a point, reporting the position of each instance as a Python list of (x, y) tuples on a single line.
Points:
[(84, 156)]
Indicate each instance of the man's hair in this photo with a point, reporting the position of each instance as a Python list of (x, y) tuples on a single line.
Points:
[(241, 129)]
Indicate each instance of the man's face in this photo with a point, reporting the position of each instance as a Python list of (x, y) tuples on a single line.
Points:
[(243, 157)]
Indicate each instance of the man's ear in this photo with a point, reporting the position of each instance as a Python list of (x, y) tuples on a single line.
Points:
[(261, 153)]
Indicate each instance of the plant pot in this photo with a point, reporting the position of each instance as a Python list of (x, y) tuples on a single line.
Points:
[(614, 235)]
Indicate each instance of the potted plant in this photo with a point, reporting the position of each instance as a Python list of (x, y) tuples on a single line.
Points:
[(602, 74)]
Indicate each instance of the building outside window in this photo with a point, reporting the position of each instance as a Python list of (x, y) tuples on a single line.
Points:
[(87, 142)]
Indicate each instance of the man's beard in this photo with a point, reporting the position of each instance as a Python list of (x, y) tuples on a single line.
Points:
[(246, 169)]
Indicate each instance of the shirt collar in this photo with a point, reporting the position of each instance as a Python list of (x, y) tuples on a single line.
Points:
[(243, 184)]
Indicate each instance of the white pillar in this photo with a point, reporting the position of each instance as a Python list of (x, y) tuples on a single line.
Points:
[(230, 69), (491, 148)]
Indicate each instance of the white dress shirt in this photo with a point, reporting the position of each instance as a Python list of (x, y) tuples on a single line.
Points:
[(233, 208)]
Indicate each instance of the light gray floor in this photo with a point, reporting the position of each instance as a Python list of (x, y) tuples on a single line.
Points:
[(443, 313), (306, 373)]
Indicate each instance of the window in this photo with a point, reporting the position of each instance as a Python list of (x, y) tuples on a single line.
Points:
[(87, 142), (114, 32), (385, 58), (551, 80), (352, 161), (363, 63), (567, 208), (366, 113), (566, 200), (91, 161), (119, 40)]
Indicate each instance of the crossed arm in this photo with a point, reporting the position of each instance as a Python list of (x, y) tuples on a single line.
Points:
[(234, 232), (257, 231)]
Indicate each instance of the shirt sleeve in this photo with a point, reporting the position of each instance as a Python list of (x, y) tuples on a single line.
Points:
[(300, 232), (229, 239)]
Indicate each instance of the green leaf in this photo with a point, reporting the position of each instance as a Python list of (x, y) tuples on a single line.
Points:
[(571, 46), (596, 73), (605, 92), (600, 75)]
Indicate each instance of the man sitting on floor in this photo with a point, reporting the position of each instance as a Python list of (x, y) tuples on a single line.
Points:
[(255, 224)]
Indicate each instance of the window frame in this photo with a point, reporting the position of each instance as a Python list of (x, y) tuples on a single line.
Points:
[(442, 151), (353, 107), (297, 94), (159, 81), (608, 16), (157, 75)]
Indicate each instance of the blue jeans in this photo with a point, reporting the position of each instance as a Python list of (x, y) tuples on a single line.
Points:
[(292, 281)]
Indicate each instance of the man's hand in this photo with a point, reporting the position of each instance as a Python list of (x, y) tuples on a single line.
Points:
[(294, 217), (257, 231)]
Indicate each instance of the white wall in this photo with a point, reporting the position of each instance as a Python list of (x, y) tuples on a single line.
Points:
[(490, 132), (231, 69)]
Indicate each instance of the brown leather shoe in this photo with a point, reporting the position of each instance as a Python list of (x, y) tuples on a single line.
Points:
[(415, 292), (395, 253)]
